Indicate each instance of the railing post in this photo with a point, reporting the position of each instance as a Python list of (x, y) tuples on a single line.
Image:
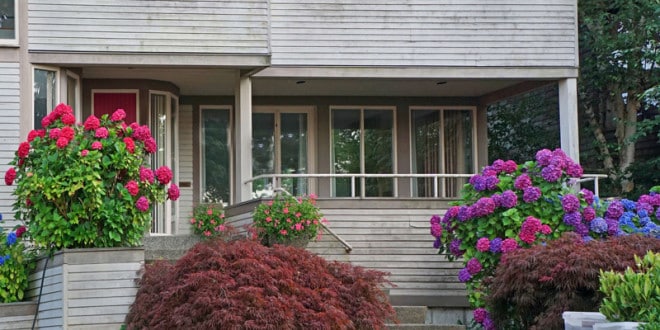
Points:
[(435, 186), (353, 186)]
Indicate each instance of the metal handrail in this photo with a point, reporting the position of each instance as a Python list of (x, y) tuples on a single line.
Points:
[(435, 176), (347, 246)]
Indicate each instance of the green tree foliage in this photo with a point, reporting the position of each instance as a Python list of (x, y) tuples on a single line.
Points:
[(619, 75)]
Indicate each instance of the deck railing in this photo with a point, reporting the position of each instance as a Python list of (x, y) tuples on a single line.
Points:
[(439, 181)]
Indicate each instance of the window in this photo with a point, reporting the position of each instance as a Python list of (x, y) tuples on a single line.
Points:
[(8, 23), (363, 143), (163, 111), (45, 93), (73, 93), (443, 141), (280, 145), (216, 155)]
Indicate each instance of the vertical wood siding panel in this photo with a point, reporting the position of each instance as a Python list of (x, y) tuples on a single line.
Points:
[(151, 26), (423, 32), (185, 168)]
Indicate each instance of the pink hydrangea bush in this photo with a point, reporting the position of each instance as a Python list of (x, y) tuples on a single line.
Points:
[(509, 206), (87, 185)]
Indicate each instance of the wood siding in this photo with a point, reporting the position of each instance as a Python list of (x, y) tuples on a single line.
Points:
[(423, 32), (87, 288), (9, 131), (17, 316), (150, 26), (186, 170), (388, 235)]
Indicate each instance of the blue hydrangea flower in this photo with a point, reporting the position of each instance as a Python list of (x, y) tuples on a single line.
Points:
[(11, 239), (628, 204), (598, 225)]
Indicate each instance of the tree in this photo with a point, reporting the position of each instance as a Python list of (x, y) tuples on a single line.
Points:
[(619, 57)]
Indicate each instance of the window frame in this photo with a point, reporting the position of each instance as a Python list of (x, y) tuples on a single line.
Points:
[(230, 149), (442, 109), (362, 109), (77, 102), (15, 41), (56, 92)]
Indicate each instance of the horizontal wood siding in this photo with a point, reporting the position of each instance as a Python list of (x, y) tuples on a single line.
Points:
[(424, 32), (396, 241), (185, 169), (87, 288), (17, 316), (9, 132), (151, 26)]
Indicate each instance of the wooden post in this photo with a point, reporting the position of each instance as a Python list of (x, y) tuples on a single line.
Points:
[(568, 118), (243, 139)]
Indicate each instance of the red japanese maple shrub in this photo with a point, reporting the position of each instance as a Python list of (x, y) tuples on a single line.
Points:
[(244, 285), (533, 287)]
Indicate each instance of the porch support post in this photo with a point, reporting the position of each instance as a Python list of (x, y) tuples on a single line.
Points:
[(243, 139), (568, 118)]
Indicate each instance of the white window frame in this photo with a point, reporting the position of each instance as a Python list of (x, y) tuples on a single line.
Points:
[(77, 103), (132, 91), (202, 171), (169, 204), (311, 135), (442, 109), (13, 42), (363, 108), (56, 92)]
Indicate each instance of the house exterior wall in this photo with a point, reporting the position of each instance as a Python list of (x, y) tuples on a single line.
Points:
[(9, 127), (146, 26), (424, 33)]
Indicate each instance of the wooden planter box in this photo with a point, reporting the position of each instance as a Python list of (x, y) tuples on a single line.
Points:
[(18, 315), (86, 288)]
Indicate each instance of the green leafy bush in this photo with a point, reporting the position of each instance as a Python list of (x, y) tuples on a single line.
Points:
[(285, 220), (245, 285), (208, 220), (633, 295), (87, 185), (531, 288), (16, 261)]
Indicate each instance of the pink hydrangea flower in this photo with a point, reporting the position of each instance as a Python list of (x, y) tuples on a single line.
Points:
[(132, 188), (150, 145), (173, 192), (68, 133), (23, 149), (509, 245), (118, 115), (130, 144), (92, 123), (483, 244), (101, 133), (84, 152), (164, 175), (54, 133), (96, 145), (62, 142), (10, 176), (142, 204), (146, 175), (68, 119)]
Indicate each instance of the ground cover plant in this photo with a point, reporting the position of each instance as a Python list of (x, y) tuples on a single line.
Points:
[(511, 206), (245, 285)]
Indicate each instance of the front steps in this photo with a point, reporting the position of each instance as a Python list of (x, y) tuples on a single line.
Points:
[(415, 318)]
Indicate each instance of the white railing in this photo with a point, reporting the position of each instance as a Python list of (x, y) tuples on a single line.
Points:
[(440, 182)]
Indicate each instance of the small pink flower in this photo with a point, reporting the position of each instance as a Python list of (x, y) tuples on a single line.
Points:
[(298, 214), (192, 221), (118, 115), (101, 133), (207, 233), (10, 176), (299, 227), (220, 228), (96, 145), (92, 123), (288, 220), (132, 188), (173, 192), (283, 232), (142, 204), (62, 142), (209, 211), (269, 219), (285, 210), (84, 152)]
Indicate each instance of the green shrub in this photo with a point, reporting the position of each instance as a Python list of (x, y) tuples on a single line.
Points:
[(633, 295)]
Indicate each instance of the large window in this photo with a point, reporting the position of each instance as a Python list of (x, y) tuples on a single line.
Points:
[(8, 23), (45, 93), (280, 145), (363, 143), (215, 155), (442, 142)]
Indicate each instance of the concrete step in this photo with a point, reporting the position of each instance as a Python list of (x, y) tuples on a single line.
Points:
[(167, 247), (404, 326), (411, 314)]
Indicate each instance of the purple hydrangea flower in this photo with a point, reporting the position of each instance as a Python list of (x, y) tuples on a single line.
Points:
[(543, 157), (436, 230), (582, 229), (483, 207), (570, 203), (588, 196), (589, 213), (644, 209), (572, 218), (510, 166), (489, 324), (464, 275), (614, 210), (509, 199), (483, 244), (473, 266), (551, 173), (498, 166), (531, 194), (437, 243), (496, 245), (491, 182), (523, 181), (509, 245), (612, 226), (574, 170), (455, 247), (464, 213), (480, 315), (435, 219)]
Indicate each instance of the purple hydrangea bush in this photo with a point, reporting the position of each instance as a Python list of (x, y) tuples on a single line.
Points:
[(510, 206)]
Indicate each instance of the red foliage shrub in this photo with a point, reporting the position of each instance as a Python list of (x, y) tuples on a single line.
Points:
[(244, 285), (533, 287)]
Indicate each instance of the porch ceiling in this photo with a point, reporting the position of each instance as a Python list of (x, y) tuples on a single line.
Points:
[(214, 81)]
